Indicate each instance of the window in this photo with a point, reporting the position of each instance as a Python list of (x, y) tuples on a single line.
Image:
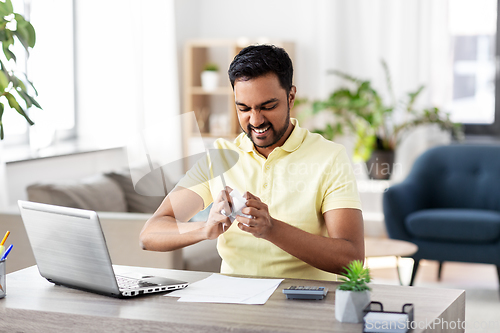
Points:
[(51, 69), (473, 29)]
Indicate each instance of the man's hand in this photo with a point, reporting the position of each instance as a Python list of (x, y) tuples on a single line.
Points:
[(262, 223), (217, 223)]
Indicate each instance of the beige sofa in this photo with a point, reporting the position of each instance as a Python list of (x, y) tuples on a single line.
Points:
[(121, 231), (122, 212)]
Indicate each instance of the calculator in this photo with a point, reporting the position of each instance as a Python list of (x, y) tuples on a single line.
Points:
[(305, 292)]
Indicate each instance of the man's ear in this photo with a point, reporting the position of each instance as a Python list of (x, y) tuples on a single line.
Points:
[(291, 96)]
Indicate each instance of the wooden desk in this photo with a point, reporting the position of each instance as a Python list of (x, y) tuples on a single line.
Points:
[(34, 305)]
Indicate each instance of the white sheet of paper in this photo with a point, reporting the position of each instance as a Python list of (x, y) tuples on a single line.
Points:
[(226, 289)]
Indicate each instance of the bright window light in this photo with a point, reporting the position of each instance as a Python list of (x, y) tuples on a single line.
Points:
[(473, 26)]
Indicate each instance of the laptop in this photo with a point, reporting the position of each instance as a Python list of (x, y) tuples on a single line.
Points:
[(70, 250)]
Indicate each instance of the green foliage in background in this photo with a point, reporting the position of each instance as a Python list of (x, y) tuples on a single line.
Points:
[(356, 277), (362, 112), (16, 90), (213, 67)]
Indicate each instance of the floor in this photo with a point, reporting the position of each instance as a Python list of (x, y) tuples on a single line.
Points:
[(480, 282)]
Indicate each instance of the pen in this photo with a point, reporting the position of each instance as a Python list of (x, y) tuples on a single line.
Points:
[(6, 252), (3, 242)]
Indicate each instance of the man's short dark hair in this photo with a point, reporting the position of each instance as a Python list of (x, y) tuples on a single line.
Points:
[(258, 60)]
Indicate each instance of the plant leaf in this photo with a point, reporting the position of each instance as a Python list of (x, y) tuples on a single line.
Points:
[(28, 99), (25, 97), (6, 8), (3, 10), (1, 123), (35, 103), (4, 82), (8, 53), (30, 83), (17, 83), (388, 81), (355, 277), (413, 97), (3, 35), (343, 75), (22, 36), (9, 7), (31, 35), (24, 32), (15, 105)]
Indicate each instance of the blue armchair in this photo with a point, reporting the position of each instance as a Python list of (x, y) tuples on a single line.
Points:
[(449, 205)]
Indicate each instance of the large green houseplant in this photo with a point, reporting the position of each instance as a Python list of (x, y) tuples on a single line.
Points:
[(362, 111), (16, 91)]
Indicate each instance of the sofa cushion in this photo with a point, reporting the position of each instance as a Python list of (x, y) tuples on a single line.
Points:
[(455, 225), (148, 193), (97, 193), (202, 256)]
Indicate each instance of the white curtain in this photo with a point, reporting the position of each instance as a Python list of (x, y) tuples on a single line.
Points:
[(410, 35), (126, 68)]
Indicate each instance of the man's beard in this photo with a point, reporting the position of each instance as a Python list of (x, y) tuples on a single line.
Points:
[(278, 135)]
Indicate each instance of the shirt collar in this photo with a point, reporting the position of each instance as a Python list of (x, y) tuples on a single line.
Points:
[(292, 143)]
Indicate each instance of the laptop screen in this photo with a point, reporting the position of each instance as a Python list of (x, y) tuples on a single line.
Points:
[(69, 246)]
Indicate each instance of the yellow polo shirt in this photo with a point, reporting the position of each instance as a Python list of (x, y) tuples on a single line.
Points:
[(299, 181)]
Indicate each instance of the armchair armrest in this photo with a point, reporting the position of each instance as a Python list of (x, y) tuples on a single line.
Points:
[(398, 202)]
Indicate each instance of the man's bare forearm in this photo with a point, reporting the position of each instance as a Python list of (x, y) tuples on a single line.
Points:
[(328, 254), (164, 233)]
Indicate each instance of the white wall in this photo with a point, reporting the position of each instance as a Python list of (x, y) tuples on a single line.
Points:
[(348, 35), (126, 68), (129, 54), (291, 20), (107, 70), (126, 80), (71, 167)]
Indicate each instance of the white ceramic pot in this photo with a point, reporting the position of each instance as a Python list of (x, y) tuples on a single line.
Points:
[(349, 305), (209, 80)]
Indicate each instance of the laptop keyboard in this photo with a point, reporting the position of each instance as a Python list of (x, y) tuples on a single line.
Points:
[(131, 283)]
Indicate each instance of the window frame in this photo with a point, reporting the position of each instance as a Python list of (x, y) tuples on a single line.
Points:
[(490, 130)]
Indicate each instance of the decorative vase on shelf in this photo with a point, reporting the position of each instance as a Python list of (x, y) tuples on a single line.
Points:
[(210, 77)]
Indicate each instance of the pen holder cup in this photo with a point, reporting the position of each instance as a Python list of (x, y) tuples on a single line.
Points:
[(3, 287)]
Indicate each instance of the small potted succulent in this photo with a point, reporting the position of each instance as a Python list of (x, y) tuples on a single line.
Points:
[(210, 77), (353, 295)]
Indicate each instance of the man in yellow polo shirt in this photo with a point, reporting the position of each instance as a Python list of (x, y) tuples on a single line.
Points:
[(304, 211)]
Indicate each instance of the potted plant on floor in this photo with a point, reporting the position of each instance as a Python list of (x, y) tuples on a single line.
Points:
[(361, 111), (353, 295), (210, 77)]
